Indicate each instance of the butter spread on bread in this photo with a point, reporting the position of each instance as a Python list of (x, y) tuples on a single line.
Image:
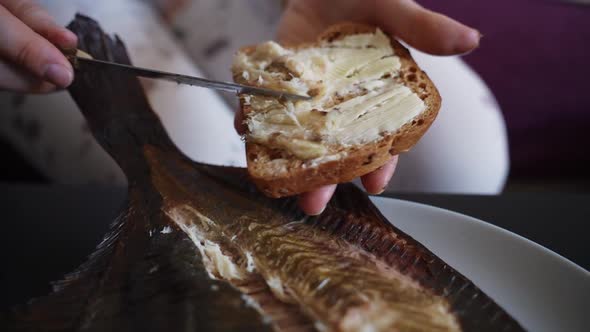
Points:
[(366, 90)]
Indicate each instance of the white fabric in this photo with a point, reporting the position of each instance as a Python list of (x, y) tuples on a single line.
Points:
[(466, 149)]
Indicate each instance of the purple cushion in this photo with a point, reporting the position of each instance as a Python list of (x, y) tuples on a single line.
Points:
[(535, 56)]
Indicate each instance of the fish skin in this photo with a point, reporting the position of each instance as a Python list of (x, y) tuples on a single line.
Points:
[(135, 281), (138, 278), (224, 195), (120, 288)]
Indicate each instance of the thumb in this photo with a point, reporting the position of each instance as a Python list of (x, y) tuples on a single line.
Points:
[(425, 30)]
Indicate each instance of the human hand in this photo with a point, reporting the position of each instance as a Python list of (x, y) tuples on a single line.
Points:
[(30, 59), (425, 30)]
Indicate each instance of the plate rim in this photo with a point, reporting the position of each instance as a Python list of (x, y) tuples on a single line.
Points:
[(489, 226)]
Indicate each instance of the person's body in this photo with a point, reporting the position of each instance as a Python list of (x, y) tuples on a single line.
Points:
[(32, 62)]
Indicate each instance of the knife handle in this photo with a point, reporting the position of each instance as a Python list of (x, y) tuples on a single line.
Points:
[(72, 54)]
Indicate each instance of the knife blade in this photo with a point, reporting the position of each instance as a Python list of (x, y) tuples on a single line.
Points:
[(190, 80)]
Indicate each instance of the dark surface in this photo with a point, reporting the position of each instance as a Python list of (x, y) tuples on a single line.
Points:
[(50, 230), (15, 168)]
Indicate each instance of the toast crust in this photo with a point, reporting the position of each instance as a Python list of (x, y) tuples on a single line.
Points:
[(359, 160)]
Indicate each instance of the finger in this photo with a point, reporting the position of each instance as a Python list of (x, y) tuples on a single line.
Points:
[(424, 29), (314, 202), (304, 20), (39, 20), (293, 17), (239, 122), (19, 80), (376, 181), (25, 48)]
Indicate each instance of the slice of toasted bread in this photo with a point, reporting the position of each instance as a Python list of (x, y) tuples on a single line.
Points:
[(279, 172)]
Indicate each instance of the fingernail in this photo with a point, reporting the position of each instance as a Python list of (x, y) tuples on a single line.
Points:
[(475, 36), (59, 75), (469, 43)]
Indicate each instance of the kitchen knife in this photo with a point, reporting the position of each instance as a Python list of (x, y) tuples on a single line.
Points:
[(81, 59)]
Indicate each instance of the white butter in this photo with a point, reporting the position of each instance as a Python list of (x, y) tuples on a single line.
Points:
[(352, 103)]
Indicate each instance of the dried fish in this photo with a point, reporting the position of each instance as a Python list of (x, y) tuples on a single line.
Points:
[(198, 248)]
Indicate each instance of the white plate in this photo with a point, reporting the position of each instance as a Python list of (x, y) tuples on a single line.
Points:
[(542, 290)]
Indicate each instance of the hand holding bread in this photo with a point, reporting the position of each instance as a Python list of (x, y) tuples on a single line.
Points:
[(371, 101)]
